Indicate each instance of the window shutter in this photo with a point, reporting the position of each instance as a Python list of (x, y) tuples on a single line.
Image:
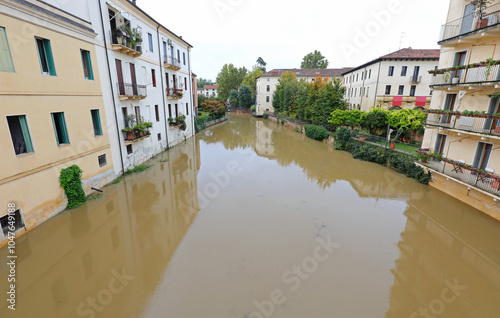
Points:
[(50, 57), (6, 63)]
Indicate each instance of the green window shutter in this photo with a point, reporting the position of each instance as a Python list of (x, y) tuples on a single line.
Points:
[(82, 54), (50, 57), (26, 133), (6, 63), (89, 66), (64, 131), (96, 120)]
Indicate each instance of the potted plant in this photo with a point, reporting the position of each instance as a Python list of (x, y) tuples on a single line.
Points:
[(129, 133), (424, 158), (171, 121), (481, 6)]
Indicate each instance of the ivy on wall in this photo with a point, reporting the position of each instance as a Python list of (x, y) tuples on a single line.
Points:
[(71, 180)]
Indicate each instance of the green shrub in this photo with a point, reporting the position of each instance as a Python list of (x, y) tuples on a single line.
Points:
[(71, 180), (265, 116), (200, 123), (405, 165), (342, 137), (316, 132), (252, 109)]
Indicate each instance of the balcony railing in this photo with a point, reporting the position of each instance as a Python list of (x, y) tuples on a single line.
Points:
[(477, 123), (171, 62), (415, 79), (470, 23), (131, 91), (477, 74), (484, 180), (121, 42), (174, 93)]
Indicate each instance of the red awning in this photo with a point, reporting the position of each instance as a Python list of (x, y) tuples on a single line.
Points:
[(421, 101), (397, 101)]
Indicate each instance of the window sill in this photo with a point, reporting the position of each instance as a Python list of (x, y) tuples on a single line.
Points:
[(24, 155), (63, 145)]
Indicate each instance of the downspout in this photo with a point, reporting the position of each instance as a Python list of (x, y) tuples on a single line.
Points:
[(162, 85), (191, 87), (376, 87), (111, 85)]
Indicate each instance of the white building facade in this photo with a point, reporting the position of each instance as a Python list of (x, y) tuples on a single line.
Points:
[(395, 81), (209, 91), (267, 82)]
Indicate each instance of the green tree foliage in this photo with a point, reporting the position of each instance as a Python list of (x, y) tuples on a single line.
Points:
[(316, 132), (407, 119), (71, 180), (342, 137), (376, 120), (261, 64), (285, 96), (230, 78), (214, 108), (314, 60), (245, 96), (234, 98), (201, 82), (351, 118), (251, 80)]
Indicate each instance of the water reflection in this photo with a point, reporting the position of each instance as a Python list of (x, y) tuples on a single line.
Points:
[(106, 257)]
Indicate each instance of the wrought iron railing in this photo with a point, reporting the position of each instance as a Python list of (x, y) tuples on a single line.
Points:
[(127, 89), (120, 38), (170, 60), (471, 22), (415, 79), (485, 180), (483, 124), (479, 74)]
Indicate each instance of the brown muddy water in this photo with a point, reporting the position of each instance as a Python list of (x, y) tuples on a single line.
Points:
[(253, 220)]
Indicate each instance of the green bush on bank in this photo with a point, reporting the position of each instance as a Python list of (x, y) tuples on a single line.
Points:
[(71, 181), (316, 132)]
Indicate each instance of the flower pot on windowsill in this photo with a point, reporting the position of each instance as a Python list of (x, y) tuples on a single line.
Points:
[(481, 24)]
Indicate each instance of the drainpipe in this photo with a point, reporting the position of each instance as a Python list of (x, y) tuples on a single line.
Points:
[(162, 85), (191, 87), (376, 86), (111, 85)]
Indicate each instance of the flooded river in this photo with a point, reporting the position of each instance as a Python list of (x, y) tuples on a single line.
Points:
[(252, 220)]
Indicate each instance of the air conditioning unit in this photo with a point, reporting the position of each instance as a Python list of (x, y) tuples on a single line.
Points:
[(169, 42)]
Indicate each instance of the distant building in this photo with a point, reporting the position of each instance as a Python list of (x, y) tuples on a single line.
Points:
[(209, 91), (393, 81), (461, 126), (267, 82)]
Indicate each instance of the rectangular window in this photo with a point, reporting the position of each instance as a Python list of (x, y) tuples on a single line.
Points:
[(125, 114), (170, 111), (357, 77), (185, 84), (102, 160), (138, 117), (153, 77), (96, 121), (45, 56), (187, 109), (19, 132), (401, 90), (267, 99), (176, 111), (388, 90), (268, 88), (184, 57), (159, 136), (391, 71), (60, 128), (179, 56), (370, 74), (129, 150), (15, 218), (404, 69), (6, 62), (150, 39), (157, 113), (367, 90), (87, 65), (413, 90)]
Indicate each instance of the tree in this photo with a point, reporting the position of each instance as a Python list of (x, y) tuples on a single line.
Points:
[(314, 60), (245, 96), (202, 82), (261, 64), (233, 98), (251, 80), (230, 78), (376, 119)]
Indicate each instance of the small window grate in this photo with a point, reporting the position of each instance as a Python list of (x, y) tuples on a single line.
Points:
[(11, 222)]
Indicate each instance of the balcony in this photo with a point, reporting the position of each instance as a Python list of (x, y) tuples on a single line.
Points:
[(484, 180), (472, 26), (415, 79), (482, 73), (121, 42), (468, 121), (174, 94), (128, 91), (171, 62)]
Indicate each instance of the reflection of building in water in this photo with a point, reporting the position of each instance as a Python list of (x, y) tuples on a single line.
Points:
[(440, 245), (263, 143), (81, 256)]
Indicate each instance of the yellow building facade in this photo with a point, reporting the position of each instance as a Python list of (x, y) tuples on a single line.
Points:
[(461, 125), (52, 110)]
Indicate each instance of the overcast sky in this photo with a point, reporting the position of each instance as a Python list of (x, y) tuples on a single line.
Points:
[(348, 33)]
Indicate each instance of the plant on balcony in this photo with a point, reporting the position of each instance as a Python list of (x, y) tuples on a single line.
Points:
[(423, 157), (129, 133), (480, 6), (181, 120), (171, 121), (133, 36)]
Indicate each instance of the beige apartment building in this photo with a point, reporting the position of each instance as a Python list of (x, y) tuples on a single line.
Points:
[(399, 80), (52, 111), (267, 82), (461, 125)]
